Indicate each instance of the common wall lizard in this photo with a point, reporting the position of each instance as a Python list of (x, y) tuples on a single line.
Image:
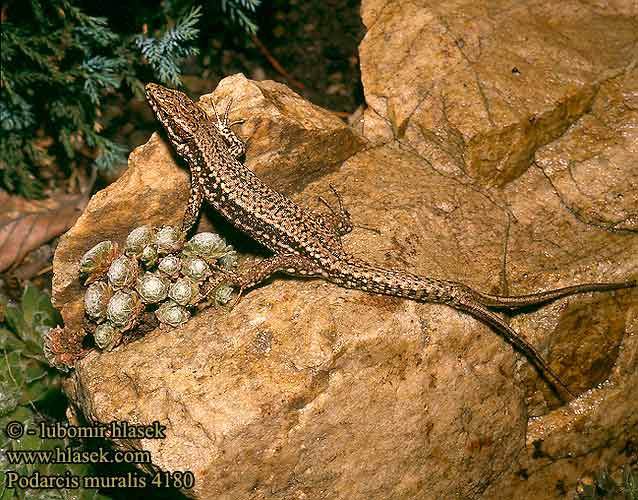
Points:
[(305, 243)]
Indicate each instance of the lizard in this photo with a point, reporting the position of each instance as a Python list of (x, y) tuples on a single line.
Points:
[(308, 244)]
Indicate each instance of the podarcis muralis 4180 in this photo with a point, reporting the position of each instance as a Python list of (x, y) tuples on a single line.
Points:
[(305, 243)]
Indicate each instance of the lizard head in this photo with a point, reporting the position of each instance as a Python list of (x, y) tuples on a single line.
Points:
[(178, 114)]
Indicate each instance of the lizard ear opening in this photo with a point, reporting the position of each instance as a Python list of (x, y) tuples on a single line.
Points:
[(181, 148), (180, 129)]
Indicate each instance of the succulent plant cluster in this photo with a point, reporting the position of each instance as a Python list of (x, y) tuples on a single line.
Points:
[(157, 273)]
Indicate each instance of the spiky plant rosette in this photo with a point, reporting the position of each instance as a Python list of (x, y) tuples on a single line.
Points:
[(157, 276)]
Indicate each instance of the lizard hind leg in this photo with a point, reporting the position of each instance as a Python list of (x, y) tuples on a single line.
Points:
[(292, 264), (339, 221), (247, 278)]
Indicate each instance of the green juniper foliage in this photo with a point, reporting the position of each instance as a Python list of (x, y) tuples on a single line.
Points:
[(57, 63), (240, 12), (164, 53)]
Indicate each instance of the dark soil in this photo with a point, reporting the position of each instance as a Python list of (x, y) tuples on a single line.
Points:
[(317, 43)]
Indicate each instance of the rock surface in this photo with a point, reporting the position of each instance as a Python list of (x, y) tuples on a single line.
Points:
[(306, 390), (479, 86)]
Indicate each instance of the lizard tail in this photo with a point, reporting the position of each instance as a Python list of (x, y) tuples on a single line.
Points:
[(363, 276), (516, 301), (533, 356)]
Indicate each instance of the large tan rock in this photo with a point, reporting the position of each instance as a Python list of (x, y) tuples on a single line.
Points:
[(477, 87), (306, 390)]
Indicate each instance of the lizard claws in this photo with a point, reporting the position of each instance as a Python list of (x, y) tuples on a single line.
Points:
[(323, 200), (230, 103), (236, 122), (225, 123), (236, 300), (222, 122), (212, 103)]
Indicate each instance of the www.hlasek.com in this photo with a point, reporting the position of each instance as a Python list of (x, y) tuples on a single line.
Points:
[(76, 455)]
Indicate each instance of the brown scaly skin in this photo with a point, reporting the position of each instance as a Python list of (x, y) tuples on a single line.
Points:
[(305, 243)]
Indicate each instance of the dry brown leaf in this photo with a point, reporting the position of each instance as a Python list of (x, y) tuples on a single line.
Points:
[(27, 224)]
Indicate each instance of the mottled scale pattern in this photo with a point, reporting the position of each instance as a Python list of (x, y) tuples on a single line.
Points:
[(305, 243)]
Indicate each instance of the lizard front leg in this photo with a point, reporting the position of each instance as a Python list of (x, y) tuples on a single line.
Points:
[(236, 146), (194, 203)]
